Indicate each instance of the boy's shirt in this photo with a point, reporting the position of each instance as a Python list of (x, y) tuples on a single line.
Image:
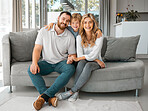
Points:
[(75, 34)]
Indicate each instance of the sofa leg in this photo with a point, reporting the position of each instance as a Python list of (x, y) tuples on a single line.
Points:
[(10, 89), (65, 89), (137, 92)]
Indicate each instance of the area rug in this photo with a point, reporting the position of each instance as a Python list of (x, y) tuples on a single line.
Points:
[(25, 104)]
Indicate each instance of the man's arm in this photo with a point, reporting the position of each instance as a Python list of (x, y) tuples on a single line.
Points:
[(34, 68)]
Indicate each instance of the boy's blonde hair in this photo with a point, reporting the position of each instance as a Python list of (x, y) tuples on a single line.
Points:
[(76, 16)]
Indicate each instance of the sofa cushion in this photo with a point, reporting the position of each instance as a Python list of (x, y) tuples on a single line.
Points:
[(22, 44), (113, 71), (119, 71), (121, 49), (20, 69)]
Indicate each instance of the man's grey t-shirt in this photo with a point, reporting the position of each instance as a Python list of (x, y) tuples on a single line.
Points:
[(55, 47)]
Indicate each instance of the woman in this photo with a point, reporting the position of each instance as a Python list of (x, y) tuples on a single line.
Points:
[(88, 55)]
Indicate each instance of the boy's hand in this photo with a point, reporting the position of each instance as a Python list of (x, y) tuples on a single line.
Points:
[(48, 27), (99, 34)]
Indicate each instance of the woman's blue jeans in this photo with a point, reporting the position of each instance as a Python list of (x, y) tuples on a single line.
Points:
[(66, 71)]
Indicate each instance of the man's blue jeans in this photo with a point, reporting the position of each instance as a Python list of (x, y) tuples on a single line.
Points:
[(66, 71)]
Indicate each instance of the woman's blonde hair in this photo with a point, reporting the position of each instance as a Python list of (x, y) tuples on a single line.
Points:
[(76, 16), (82, 32)]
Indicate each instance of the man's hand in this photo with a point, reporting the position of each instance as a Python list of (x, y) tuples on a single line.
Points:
[(34, 68), (69, 60)]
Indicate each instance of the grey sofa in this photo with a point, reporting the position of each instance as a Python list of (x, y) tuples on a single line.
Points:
[(117, 76)]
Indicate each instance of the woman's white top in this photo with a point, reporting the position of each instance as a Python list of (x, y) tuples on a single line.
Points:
[(90, 53)]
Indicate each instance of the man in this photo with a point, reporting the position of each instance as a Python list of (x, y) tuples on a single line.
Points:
[(56, 45)]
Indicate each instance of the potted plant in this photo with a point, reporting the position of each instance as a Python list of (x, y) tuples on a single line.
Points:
[(131, 15)]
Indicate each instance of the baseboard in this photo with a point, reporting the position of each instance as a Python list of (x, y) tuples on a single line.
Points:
[(141, 56)]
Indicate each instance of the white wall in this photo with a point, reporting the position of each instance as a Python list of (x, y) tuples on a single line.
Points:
[(113, 10)]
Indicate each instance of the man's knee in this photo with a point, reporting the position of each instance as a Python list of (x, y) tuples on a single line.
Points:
[(29, 70), (72, 68)]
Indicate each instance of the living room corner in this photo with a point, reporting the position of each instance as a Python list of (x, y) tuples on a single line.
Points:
[(121, 85)]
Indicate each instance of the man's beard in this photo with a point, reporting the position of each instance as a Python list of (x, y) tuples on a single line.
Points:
[(59, 25)]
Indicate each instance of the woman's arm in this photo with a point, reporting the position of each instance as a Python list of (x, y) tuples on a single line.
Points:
[(79, 46), (96, 50)]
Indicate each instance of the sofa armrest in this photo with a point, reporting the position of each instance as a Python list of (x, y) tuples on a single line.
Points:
[(6, 59)]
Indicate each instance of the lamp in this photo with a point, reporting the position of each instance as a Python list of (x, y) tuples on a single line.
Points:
[(67, 4)]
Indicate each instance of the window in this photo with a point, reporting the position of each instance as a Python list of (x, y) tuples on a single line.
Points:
[(53, 10), (30, 14), (37, 13), (94, 8), (87, 6)]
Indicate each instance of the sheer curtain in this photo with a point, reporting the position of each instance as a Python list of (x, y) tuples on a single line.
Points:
[(5, 21), (104, 16)]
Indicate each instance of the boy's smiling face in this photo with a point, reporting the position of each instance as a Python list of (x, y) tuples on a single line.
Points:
[(75, 24)]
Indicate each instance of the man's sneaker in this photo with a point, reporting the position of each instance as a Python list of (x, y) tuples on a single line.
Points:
[(64, 95), (53, 101), (74, 97), (39, 103)]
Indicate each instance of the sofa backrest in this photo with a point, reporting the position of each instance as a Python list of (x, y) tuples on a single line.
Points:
[(104, 47), (22, 44)]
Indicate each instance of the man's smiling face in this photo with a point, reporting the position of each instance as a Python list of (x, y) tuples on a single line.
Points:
[(63, 21)]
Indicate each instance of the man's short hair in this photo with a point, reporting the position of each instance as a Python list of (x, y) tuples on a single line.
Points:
[(67, 13)]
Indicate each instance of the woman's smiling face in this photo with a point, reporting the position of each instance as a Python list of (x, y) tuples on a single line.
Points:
[(88, 24)]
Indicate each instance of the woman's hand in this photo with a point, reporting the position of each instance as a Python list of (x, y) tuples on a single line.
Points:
[(48, 27), (75, 59), (102, 65)]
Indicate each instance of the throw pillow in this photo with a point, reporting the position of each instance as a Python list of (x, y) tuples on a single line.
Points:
[(22, 44), (121, 49)]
